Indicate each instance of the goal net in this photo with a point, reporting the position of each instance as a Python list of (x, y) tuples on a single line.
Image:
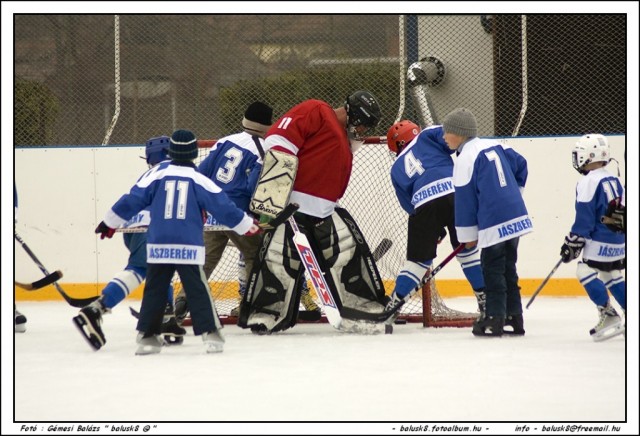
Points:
[(370, 199)]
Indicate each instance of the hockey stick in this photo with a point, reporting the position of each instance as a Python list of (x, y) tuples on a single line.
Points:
[(315, 273), (535, 294), (283, 216), (388, 314), (75, 302), (53, 277), (323, 291), (382, 249)]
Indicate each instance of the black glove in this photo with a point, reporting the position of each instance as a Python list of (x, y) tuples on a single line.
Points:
[(105, 231), (616, 216), (443, 234), (572, 247)]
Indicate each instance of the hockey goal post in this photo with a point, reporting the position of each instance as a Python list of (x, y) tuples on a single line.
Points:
[(369, 188)]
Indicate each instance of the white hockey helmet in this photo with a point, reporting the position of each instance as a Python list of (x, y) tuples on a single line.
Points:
[(590, 148)]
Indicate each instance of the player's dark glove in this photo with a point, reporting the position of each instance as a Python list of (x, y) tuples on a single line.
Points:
[(443, 234), (572, 247), (615, 217), (105, 231)]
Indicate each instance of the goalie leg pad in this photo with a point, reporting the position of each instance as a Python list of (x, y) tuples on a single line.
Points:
[(272, 296), (275, 183), (346, 259)]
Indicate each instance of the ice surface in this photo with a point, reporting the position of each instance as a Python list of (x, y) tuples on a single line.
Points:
[(555, 373)]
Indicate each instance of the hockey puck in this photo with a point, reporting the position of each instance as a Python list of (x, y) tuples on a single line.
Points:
[(388, 329), (400, 321)]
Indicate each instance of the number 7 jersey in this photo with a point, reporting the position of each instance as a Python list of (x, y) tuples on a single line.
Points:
[(488, 179)]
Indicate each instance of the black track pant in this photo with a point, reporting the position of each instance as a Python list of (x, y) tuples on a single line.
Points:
[(154, 300)]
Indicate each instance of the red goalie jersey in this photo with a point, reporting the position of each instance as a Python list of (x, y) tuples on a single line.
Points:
[(311, 131)]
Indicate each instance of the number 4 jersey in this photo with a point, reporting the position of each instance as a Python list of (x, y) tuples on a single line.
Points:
[(424, 170), (488, 179)]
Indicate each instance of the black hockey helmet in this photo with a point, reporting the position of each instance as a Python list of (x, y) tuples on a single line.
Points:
[(362, 110)]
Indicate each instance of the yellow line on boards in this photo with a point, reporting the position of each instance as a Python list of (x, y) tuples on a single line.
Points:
[(446, 288)]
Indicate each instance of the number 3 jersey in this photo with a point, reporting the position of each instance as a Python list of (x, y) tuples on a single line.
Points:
[(594, 191), (488, 178), (424, 170), (234, 165), (176, 196)]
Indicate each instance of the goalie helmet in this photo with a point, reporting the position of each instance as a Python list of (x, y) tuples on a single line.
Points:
[(400, 134), (156, 150), (362, 110), (590, 148)]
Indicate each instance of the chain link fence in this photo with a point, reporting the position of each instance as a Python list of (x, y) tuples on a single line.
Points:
[(521, 75)]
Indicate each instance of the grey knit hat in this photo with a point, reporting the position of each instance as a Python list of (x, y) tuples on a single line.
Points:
[(183, 145), (257, 118), (461, 122)]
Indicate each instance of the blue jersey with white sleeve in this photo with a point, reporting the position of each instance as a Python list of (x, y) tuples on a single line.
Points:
[(177, 195), (234, 165), (423, 171), (593, 194), (488, 179)]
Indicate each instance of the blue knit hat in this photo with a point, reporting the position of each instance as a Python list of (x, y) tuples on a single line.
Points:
[(183, 145)]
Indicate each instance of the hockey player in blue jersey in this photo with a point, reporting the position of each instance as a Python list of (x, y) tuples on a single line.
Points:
[(422, 176), (177, 196), (234, 164), (490, 212), (89, 320), (603, 249)]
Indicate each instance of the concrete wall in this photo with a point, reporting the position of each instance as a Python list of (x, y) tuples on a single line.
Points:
[(65, 192)]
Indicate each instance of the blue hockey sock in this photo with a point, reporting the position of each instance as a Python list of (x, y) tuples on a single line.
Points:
[(122, 285), (410, 276)]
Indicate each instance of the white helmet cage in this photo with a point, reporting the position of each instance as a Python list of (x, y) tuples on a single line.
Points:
[(590, 148)]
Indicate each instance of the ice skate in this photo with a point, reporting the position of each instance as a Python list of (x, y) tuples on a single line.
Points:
[(172, 332), (213, 341), (89, 323), (148, 343), (516, 324), (19, 322), (488, 326), (610, 324), (181, 309)]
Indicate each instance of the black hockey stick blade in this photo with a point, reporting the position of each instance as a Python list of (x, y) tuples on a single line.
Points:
[(309, 315), (134, 313), (38, 284), (75, 302), (283, 216), (382, 249), (537, 291)]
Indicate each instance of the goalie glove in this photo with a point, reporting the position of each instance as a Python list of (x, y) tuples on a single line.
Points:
[(104, 230), (572, 247), (615, 216)]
